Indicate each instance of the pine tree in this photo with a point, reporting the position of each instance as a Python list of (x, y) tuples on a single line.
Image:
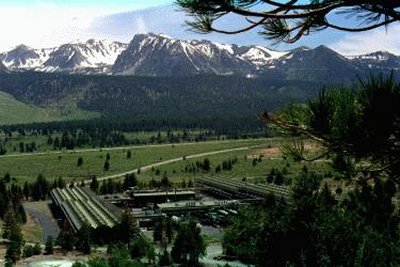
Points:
[(37, 249), (128, 229), (206, 165), (189, 245), (106, 166), (66, 240), (94, 184), (49, 245), (83, 243), (79, 162), (12, 231), (26, 191)]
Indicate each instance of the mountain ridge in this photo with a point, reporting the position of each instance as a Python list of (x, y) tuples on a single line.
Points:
[(72, 57), (160, 55)]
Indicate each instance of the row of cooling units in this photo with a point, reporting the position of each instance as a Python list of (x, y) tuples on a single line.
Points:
[(81, 206), (231, 189)]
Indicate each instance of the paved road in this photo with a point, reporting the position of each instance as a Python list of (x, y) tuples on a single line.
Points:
[(48, 225), (147, 167)]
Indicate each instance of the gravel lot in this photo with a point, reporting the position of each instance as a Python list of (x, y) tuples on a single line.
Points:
[(41, 211)]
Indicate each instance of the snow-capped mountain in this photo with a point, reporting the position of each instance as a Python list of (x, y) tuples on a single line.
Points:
[(24, 57), (160, 55), (94, 55), (381, 60), (260, 56)]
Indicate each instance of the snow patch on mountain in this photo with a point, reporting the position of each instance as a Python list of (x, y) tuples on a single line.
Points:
[(261, 56), (160, 55), (67, 57)]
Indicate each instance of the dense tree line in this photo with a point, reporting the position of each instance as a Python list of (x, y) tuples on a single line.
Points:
[(11, 197), (130, 104), (134, 248), (68, 137), (111, 186), (41, 187), (13, 214), (80, 138), (317, 229), (12, 194), (12, 232), (127, 98), (99, 129), (357, 129)]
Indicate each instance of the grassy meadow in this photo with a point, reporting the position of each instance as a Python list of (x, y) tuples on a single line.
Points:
[(26, 167), (252, 165)]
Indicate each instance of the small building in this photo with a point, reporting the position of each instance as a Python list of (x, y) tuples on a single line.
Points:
[(195, 206), (209, 212), (120, 200), (144, 198)]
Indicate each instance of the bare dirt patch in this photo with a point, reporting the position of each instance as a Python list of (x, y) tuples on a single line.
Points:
[(269, 152), (275, 152), (42, 206)]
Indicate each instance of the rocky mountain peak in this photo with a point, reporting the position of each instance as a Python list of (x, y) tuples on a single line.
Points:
[(76, 56), (155, 54)]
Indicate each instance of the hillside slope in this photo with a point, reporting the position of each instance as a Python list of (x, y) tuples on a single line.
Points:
[(129, 98), (13, 111)]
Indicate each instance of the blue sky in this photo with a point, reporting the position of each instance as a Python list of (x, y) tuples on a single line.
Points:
[(131, 3), (48, 23)]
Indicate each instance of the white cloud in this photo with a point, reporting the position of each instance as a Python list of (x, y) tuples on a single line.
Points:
[(366, 42), (49, 25), (46, 25), (140, 25), (168, 20)]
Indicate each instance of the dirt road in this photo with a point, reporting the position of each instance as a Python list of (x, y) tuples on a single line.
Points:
[(165, 162)]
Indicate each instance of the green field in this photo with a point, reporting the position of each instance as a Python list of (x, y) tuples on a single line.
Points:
[(271, 157), (27, 167), (13, 111)]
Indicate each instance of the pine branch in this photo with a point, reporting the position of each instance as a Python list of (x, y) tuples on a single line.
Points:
[(289, 21)]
